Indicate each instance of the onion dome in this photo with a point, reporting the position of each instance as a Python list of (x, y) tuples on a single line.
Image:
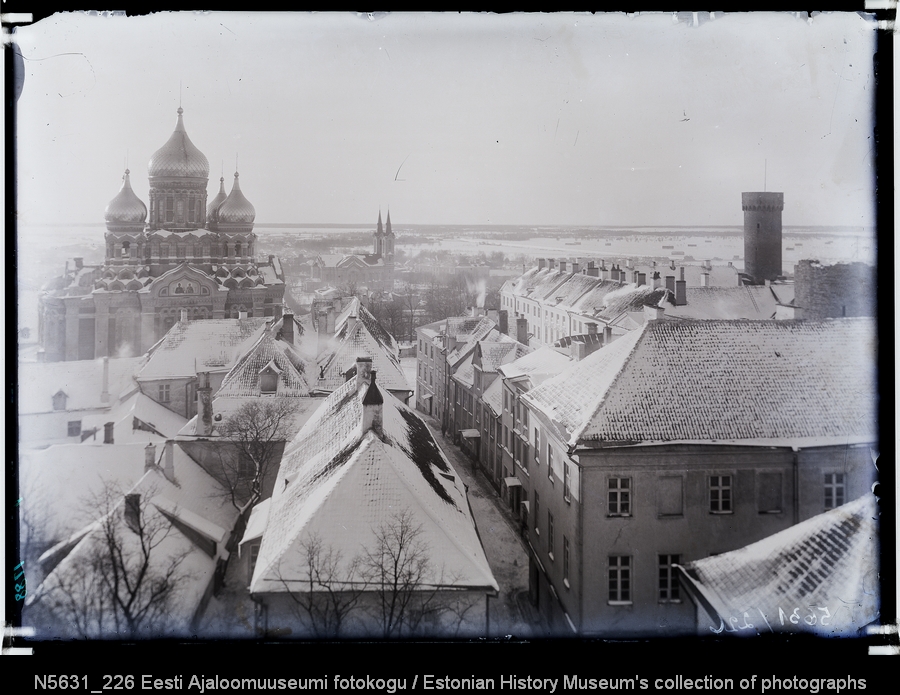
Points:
[(213, 207), (236, 209), (126, 208), (179, 157)]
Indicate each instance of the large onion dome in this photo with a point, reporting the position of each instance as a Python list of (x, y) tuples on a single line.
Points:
[(126, 209), (179, 157), (236, 210), (212, 209)]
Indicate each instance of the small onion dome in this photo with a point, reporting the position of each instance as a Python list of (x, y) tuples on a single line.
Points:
[(213, 207), (236, 209), (179, 157), (126, 207)]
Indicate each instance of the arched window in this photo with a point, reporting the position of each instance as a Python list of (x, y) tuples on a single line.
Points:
[(126, 249), (170, 208), (179, 210)]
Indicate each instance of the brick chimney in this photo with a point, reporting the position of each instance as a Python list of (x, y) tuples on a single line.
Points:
[(656, 280), (576, 267), (680, 292), (577, 350), (373, 407), (79, 262), (542, 263), (670, 283), (104, 393), (108, 433), (551, 263), (653, 313), (287, 328), (682, 273), (641, 279), (592, 328), (204, 405), (132, 512), (607, 335), (522, 330), (149, 456), (562, 265), (503, 321), (363, 371), (169, 460)]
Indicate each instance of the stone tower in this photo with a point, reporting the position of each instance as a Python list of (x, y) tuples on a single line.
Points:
[(762, 235)]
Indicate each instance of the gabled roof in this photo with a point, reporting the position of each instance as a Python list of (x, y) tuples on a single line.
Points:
[(493, 396), (81, 380), (138, 418), (494, 354), (830, 560), (340, 482), (572, 288), (747, 302), (594, 298), (363, 337), (292, 369), (467, 339), (201, 345), (720, 380)]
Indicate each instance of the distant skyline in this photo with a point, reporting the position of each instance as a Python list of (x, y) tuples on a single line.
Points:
[(549, 119)]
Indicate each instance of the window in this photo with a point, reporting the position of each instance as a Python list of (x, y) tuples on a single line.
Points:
[(620, 497), (567, 493), (549, 462), (537, 512), (720, 494), (268, 382), (566, 561), (170, 209), (668, 581), (550, 533), (768, 493), (163, 393), (670, 496), (619, 579), (74, 428), (834, 490), (254, 555), (537, 445)]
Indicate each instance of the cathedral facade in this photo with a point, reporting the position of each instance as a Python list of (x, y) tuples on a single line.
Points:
[(183, 256)]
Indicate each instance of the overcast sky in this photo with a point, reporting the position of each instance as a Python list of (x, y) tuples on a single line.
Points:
[(521, 119)]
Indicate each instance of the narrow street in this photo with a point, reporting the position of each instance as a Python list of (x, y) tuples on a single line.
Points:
[(506, 554)]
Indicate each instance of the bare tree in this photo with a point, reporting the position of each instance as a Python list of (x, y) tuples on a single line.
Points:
[(121, 579), (254, 438), (332, 590)]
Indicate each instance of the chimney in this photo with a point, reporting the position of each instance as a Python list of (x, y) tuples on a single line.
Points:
[(642, 279), (329, 321), (241, 315), (108, 433), (169, 460), (203, 427), (522, 330), (551, 263), (577, 350), (576, 267), (503, 321), (351, 323), (704, 279), (287, 328), (149, 456), (653, 313), (680, 292), (373, 407), (592, 269), (562, 266), (592, 328), (184, 315), (682, 273), (607, 335), (670, 283), (363, 371), (542, 263), (133, 512), (79, 262), (634, 277), (672, 264), (104, 393), (604, 273)]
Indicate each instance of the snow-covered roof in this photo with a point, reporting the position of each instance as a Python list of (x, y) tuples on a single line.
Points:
[(201, 345), (80, 380), (225, 406), (539, 365), (747, 302), (829, 560), (467, 339), (716, 380), (361, 337), (292, 369), (493, 396), (340, 482), (136, 419)]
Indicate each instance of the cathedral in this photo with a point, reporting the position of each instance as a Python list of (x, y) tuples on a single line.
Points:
[(192, 259), (352, 272)]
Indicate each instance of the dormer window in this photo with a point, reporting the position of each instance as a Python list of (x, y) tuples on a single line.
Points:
[(59, 400), (268, 378)]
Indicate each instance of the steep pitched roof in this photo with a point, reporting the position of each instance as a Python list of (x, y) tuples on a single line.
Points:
[(340, 482), (137, 418), (572, 288), (467, 339), (243, 379), (829, 560), (538, 366), (200, 345), (720, 380), (747, 302), (364, 337)]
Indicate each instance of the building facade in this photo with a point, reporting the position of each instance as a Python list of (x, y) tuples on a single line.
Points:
[(187, 255), (352, 272)]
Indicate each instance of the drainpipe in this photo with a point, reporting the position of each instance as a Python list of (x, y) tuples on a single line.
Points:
[(796, 496)]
